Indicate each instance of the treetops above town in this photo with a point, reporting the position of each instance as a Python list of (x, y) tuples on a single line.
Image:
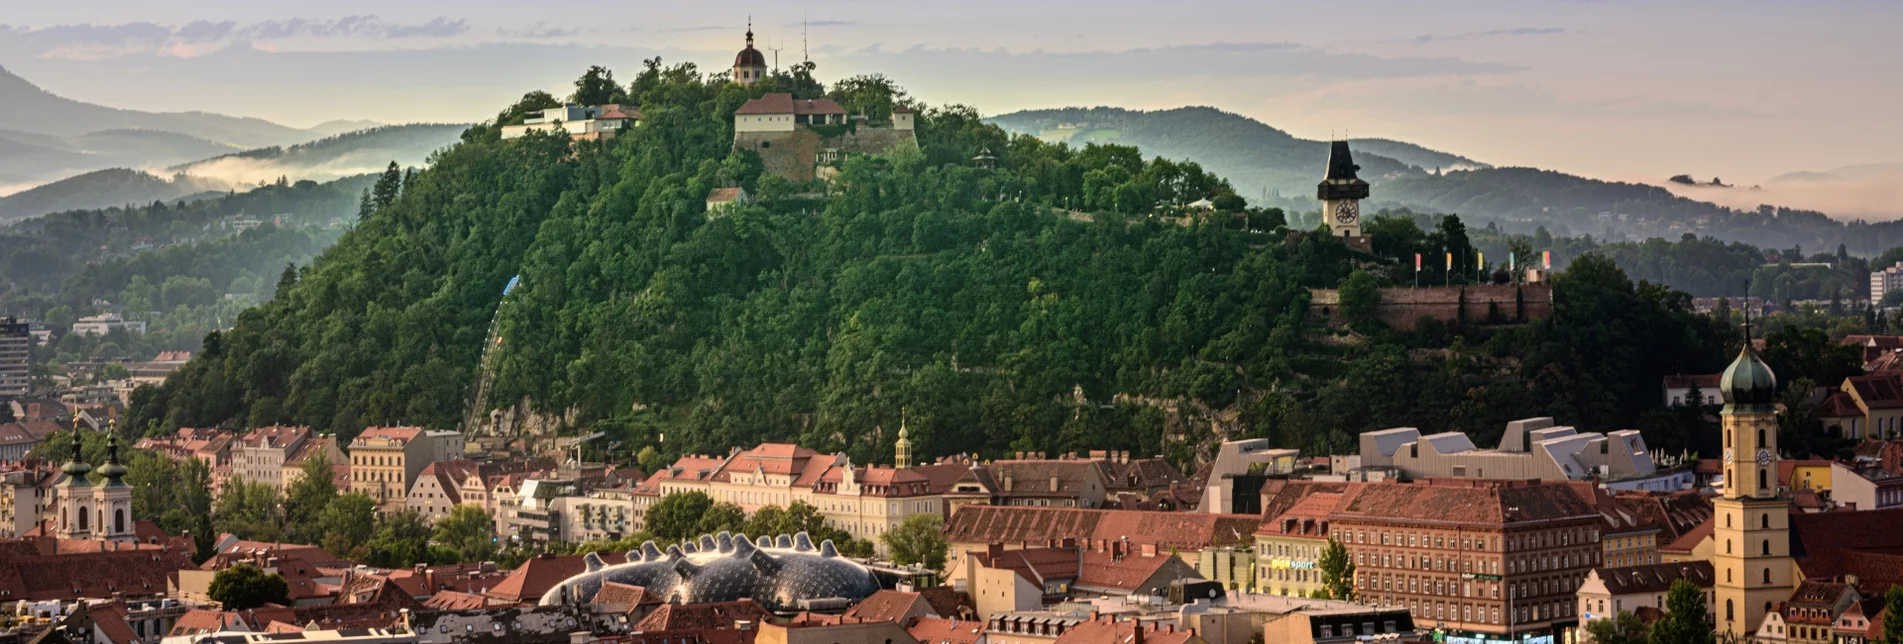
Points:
[(1031, 302)]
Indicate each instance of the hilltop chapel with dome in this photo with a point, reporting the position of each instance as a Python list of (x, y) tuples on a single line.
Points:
[(749, 66)]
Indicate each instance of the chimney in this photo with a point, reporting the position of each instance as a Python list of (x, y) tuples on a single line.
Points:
[(1138, 637), (994, 550), (1053, 482), (1007, 481)]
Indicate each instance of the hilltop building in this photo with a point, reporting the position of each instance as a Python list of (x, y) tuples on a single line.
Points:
[(579, 122), (801, 139), (749, 66)]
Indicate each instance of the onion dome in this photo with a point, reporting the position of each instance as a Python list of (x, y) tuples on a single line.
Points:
[(1748, 383), (749, 57), (113, 470), (77, 468)]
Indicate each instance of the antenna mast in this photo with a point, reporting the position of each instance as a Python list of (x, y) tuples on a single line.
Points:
[(805, 55), (776, 54)]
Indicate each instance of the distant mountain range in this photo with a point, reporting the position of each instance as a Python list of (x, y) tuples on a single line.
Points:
[(59, 154), (1271, 166)]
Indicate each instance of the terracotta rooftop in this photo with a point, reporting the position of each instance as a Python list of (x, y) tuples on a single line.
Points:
[(1879, 391), (1689, 539), (44, 568), (717, 615), (453, 600), (534, 577), (397, 434), (939, 630), (786, 104), (1189, 531), (1111, 629), (1462, 501), (889, 606), (1654, 577)]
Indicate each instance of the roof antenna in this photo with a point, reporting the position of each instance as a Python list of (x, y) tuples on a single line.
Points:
[(776, 54), (805, 56)]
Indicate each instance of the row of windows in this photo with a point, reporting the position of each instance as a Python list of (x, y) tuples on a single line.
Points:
[(1547, 539)]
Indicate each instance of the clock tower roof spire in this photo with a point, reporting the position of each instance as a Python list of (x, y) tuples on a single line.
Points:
[(1340, 182)]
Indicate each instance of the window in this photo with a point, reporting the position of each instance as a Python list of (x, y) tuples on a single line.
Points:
[(1764, 520), (1767, 575)]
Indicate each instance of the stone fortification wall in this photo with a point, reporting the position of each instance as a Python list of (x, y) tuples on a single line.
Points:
[(1403, 308), (794, 155)]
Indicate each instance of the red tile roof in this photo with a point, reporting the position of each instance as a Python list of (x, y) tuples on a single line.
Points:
[(1106, 572), (1654, 578), (888, 606), (1464, 501), (1689, 540), (1110, 629), (1879, 391), (1309, 518), (43, 568), (534, 577), (624, 594), (716, 615), (937, 630), (1188, 531), (398, 434), (452, 600), (1035, 565), (786, 104)]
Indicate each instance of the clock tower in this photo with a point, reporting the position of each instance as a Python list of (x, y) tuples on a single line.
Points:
[(1341, 193), (1751, 544)]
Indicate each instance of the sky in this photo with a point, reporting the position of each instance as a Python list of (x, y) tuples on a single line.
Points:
[(1742, 90)]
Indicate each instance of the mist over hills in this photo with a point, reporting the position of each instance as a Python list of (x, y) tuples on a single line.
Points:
[(58, 154)]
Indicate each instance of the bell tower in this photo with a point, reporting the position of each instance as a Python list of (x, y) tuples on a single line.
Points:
[(749, 66), (902, 450), (75, 494), (1341, 193), (113, 499), (1751, 543)]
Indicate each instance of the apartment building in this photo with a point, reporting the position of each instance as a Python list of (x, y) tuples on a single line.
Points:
[(1479, 558), (259, 456), (385, 461)]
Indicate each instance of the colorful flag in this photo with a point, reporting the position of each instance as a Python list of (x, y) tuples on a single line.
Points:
[(1511, 266), (1546, 256), (1417, 262), (1480, 261), (1450, 262)]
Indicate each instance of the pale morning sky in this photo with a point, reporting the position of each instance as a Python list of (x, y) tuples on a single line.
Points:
[(1634, 90)]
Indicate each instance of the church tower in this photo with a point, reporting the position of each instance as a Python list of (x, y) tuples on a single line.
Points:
[(749, 66), (1341, 193), (75, 494), (1751, 544), (113, 500), (902, 457)]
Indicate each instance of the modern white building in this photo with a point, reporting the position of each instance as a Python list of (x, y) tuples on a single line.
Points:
[(105, 323), (1530, 449), (578, 121), (1884, 281)]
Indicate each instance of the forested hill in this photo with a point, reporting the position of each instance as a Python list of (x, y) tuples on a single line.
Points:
[(1259, 158), (918, 285)]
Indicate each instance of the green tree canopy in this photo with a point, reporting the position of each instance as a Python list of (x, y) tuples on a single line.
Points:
[(1687, 619), (1338, 571), (677, 516), (244, 585), (468, 531), (307, 498), (919, 539), (1620, 628)]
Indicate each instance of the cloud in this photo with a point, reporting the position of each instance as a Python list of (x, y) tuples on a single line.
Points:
[(87, 41), (682, 30), (1472, 35), (537, 30), (823, 23)]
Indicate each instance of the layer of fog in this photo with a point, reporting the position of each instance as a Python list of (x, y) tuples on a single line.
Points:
[(1872, 198)]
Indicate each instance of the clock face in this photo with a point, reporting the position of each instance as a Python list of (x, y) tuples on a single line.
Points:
[(1764, 457), (1347, 212), (1727, 453)]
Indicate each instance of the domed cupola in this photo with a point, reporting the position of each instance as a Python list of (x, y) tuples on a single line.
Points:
[(1748, 384)]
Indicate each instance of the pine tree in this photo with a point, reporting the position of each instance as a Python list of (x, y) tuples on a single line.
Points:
[(388, 187)]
